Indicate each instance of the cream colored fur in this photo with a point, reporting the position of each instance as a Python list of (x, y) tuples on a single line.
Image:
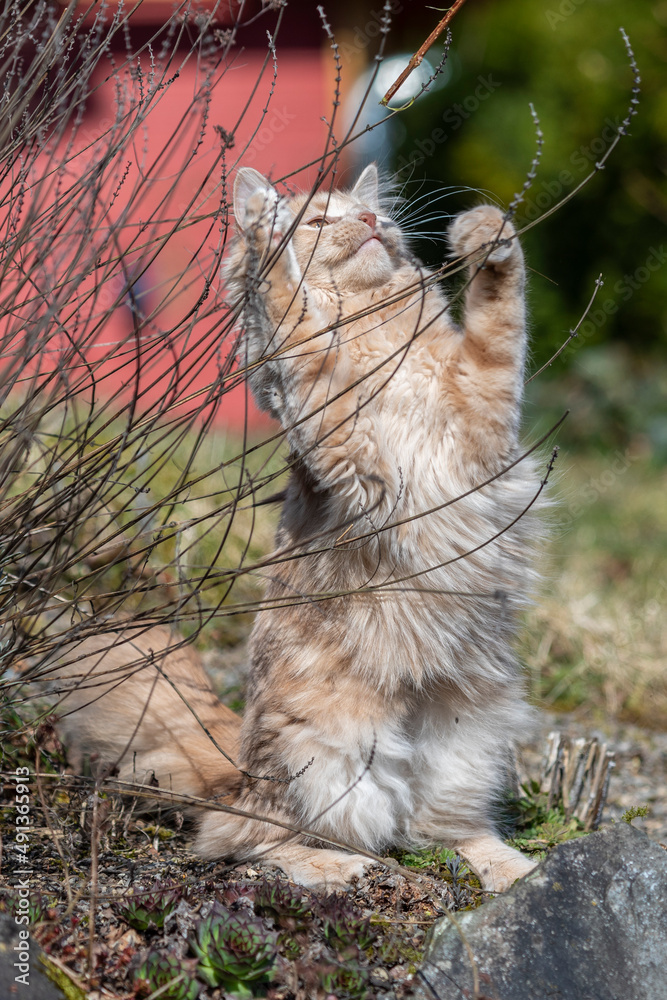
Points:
[(384, 693)]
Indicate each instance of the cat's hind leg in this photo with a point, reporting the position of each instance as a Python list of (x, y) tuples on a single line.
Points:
[(249, 835), (462, 767), (227, 836), (496, 864), (336, 767)]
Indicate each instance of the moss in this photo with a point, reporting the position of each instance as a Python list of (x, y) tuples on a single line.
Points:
[(538, 827), (634, 812), (161, 832), (60, 979)]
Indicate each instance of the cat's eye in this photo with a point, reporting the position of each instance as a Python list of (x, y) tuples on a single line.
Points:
[(318, 223)]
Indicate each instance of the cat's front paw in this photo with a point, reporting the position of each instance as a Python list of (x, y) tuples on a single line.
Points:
[(267, 219), (484, 233), (319, 868), (496, 865)]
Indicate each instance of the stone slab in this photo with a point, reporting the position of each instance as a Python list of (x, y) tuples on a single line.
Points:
[(589, 924)]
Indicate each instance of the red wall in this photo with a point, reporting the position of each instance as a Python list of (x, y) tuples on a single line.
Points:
[(168, 367)]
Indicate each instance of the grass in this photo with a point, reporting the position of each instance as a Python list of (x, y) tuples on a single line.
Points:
[(154, 536), (538, 827), (594, 641)]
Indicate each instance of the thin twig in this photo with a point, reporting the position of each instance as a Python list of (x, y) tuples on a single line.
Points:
[(47, 819), (418, 57), (573, 333)]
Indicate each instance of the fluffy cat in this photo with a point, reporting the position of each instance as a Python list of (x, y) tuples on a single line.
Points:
[(384, 692)]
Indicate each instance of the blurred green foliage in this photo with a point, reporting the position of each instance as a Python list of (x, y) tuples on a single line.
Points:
[(567, 57)]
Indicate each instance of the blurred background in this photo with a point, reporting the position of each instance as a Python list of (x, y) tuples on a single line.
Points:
[(474, 129), (595, 639)]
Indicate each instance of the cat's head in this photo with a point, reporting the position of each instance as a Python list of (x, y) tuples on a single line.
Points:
[(342, 239)]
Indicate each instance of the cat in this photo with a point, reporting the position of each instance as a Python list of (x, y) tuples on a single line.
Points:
[(384, 692)]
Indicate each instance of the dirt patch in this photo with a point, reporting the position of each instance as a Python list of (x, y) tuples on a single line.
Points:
[(143, 898)]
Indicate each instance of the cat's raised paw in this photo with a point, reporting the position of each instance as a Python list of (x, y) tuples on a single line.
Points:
[(267, 217), (484, 232)]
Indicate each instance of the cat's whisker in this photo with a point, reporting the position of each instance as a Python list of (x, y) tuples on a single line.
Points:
[(410, 212)]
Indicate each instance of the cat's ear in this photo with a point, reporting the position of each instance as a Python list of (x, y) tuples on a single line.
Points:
[(247, 182), (366, 189)]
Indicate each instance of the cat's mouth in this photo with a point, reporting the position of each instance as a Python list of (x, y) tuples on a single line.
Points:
[(371, 239)]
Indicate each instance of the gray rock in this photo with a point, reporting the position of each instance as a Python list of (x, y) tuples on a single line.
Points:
[(589, 924), (36, 986)]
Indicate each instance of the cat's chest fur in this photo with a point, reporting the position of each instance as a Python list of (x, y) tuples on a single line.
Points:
[(400, 420), (402, 355)]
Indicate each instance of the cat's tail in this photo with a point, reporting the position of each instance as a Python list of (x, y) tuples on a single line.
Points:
[(139, 706)]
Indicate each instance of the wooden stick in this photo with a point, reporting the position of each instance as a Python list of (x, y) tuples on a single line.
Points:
[(576, 773), (421, 52)]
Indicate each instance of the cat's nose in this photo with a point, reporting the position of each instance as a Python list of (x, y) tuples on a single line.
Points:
[(369, 218)]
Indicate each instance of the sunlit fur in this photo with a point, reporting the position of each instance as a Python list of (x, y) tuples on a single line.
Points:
[(384, 691)]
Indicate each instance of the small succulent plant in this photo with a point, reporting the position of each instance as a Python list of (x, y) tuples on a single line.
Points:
[(162, 971), (229, 894), (148, 910), (236, 950), (286, 904), (457, 870), (348, 982), (456, 867), (344, 927), (36, 907)]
